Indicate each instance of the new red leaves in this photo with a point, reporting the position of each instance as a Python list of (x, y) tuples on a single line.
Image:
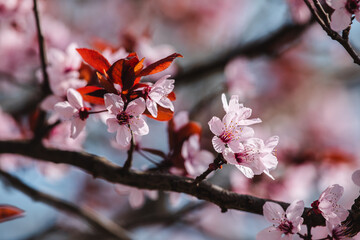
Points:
[(94, 59), (8, 212), (123, 78)]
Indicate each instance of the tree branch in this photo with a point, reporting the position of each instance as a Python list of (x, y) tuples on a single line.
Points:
[(344, 41), (106, 226), (102, 168), (273, 43)]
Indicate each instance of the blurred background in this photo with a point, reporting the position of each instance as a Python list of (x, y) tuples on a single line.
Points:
[(303, 86)]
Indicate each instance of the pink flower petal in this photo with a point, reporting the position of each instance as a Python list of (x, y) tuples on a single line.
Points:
[(65, 110), (123, 135), (139, 126), (216, 126), (77, 125), (113, 103), (75, 98), (112, 124), (136, 198), (136, 107), (273, 212), (340, 19), (218, 145), (270, 233), (248, 172), (295, 210), (356, 177), (151, 107)]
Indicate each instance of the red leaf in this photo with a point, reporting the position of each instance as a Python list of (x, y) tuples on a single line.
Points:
[(164, 114), (171, 96), (8, 212), (186, 131), (93, 94), (94, 59), (106, 84), (115, 72), (160, 65)]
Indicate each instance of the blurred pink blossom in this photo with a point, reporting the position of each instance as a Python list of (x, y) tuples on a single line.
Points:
[(356, 177), (136, 196), (196, 160)]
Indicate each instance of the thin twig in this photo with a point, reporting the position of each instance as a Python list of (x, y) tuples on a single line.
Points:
[(334, 35), (46, 85), (218, 162), (130, 152), (274, 43), (106, 226)]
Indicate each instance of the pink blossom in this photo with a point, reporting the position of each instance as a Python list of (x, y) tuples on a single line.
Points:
[(180, 119), (329, 208), (125, 121), (285, 223), (136, 196), (255, 156), (196, 160), (239, 79), (356, 177), (59, 137), (343, 11), (299, 11), (243, 113), (228, 133), (63, 70), (73, 110), (157, 95)]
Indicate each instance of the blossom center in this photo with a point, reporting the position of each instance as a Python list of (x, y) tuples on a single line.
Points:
[(286, 226), (315, 207), (352, 6), (226, 136), (146, 92), (123, 118), (84, 113)]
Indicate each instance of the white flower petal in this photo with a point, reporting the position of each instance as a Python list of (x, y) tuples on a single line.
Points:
[(77, 125), (75, 99), (218, 145), (273, 212), (136, 198), (123, 135), (113, 103), (248, 172), (340, 19), (112, 124), (216, 126), (136, 107), (139, 126), (295, 210), (270, 233), (65, 110), (151, 107), (356, 177)]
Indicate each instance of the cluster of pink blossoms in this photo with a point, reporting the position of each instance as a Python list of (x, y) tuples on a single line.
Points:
[(288, 223), (121, 95), (235, 140)]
